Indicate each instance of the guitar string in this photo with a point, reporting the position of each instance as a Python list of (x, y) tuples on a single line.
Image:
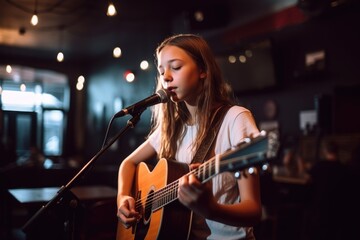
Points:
[(172, 187)]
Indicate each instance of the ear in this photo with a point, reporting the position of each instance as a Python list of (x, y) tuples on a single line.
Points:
[(203, 75)]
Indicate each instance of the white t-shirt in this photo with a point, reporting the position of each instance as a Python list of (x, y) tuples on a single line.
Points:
[(237, 125)]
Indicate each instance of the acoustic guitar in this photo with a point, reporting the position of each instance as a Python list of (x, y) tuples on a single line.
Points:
[(155, 190)]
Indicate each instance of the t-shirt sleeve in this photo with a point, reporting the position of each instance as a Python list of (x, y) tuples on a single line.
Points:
[(240, 124)]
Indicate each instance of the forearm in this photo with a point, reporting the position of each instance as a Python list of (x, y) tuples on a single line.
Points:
[(128, 167), (125, 176), (246, 213)]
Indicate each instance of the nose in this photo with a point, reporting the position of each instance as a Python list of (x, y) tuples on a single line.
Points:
[(167, 76)]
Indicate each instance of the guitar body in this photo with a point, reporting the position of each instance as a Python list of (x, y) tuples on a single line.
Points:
[(172, 221)]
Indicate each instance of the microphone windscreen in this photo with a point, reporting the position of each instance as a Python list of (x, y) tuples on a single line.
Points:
[(164, 95)]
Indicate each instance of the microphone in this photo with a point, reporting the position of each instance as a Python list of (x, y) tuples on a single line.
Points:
[(161, 96)]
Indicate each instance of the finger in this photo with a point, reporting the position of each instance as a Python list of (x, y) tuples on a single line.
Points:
[(124, 209), (183, 181), (186, 192), (183, 190), (194, 181), (127, 218), (183, 196), (131, 204), (127, 210), (194, 166)]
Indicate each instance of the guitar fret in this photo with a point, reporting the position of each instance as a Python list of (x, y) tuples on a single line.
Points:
[(207, 170), (165, 196), (211, 169)]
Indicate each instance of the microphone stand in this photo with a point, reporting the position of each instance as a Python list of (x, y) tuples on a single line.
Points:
[(63, 192)]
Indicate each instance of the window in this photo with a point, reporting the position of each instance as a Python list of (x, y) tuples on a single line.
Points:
[(44, 96)]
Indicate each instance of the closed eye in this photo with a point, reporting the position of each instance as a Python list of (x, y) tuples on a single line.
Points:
[(176, 68)]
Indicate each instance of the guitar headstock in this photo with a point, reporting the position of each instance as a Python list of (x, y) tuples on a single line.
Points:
[(252, 152), (273, 144)]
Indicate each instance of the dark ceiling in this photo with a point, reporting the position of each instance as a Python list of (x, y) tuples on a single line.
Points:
[(81, 27)]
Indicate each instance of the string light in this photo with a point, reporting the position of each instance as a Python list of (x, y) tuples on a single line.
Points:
[(117, 52), (129, 76), (232, 59), (8, 68), (60, 57), (144, 65), (111, 10), (80, 83)]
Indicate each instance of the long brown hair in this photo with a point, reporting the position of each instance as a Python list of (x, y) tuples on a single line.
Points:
[(171, 117)]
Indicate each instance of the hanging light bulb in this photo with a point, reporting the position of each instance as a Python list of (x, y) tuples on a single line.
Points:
[(60, 57), (34, 19), (111, 11)]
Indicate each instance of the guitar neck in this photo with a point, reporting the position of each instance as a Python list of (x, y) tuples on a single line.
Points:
[(169, 193), (247, 154)]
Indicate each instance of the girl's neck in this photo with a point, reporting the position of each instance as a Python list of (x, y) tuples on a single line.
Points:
[(193, 109)]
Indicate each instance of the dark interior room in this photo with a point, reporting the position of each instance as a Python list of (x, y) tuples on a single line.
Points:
[(66, 68)]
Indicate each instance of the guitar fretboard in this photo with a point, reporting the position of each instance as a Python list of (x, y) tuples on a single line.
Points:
[(169, 193), (247, 154)]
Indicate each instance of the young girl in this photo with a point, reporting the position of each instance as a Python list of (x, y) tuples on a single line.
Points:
[(225, 207)]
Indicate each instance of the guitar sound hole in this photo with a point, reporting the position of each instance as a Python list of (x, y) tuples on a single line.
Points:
[(148, 206)]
